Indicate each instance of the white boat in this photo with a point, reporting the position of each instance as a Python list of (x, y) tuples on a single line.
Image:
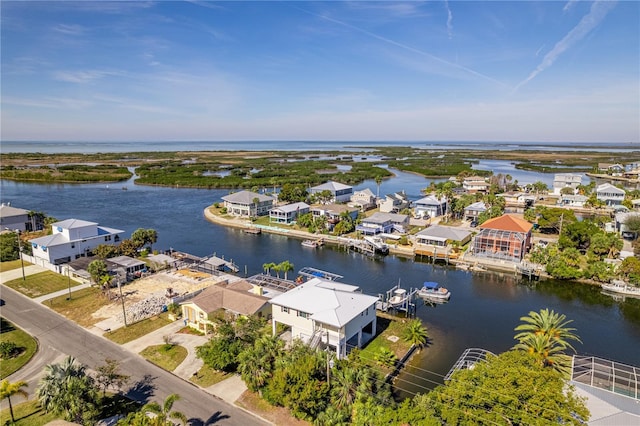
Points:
[(399, 297), (432, 290), (621, 287), (310, 244)]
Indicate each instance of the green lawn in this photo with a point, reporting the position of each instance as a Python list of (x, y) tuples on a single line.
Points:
[(387, 327), (82, 305), (40, 284), (26, 413), (139, 329), (207, 376), (168, 357), (29, 345), (12, 264)]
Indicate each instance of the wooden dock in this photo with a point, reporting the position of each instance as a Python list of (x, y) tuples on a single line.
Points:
[(529, 270), (406, 306)]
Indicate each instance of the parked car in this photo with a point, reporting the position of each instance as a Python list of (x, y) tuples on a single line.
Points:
[(473, 223)]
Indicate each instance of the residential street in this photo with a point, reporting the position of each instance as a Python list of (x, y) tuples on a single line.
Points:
[(58, 337)]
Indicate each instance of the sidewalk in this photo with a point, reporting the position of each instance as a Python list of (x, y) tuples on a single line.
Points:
[(228, 390), (13, 274)]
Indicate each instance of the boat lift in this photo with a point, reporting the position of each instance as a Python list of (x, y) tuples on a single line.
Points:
[(406, 305), (309, 272)]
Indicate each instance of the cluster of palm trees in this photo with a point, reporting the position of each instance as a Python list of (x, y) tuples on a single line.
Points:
[(284, 266), (546, 336)]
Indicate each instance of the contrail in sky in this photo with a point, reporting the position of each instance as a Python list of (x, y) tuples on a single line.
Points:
[(405, 47), (449, 19), (591, 20)]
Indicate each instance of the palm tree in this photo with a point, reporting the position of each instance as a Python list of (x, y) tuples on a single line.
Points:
[(415, 334), (268, 267), (546, 334), (256, 364), (7, 390), (163, 413), (378, 180), (285, 267)]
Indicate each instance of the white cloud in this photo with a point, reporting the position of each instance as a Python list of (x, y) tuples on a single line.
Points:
[(72, 29), (82, 77), (569, 5), (598, 12), (449, 19)]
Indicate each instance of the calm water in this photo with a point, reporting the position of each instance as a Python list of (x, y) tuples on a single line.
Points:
[(49, 147), (483, 311)]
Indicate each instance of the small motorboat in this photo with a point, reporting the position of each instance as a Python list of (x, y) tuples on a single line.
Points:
[(432, 290), (310, 244), (399, 297)]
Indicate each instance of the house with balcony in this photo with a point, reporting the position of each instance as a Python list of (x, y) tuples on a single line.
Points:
[(247, 203), (326, 314), (472, 211), (474, 184), (239, 298), (430, 206), (71, 239), (340, 193), (504, 238), (288, 214), (610, 195), (566, 180), (363, 200), (394, 203), (383, 223)]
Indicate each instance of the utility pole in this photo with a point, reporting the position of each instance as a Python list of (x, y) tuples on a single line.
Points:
[(124, 313), (69, 282), (328, 366), (561, 218)]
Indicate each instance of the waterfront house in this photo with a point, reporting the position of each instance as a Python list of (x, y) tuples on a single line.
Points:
[(473, 184), (332, 212), (71, 239), (364, 200), (610, 195), (340, 193), (394, 203), (15, 219), (239, 298), (472, 211), (379, 223), (247, 203), (611, 169), (430, 206), (288, 213), (132, 267), (505, 238), (635, 204), (566, 180), (573, 200), (321, 312), (441, 236)]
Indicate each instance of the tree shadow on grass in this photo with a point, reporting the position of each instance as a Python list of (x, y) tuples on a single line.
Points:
[(142, 390), (5, 326)]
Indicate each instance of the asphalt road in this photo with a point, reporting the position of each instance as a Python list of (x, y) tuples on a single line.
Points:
[(58, 337)]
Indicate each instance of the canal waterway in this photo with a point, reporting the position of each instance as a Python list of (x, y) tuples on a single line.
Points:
[(484, 307)]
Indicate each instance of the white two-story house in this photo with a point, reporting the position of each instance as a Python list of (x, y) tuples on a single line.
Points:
[(71, 239), (247, 203), (609, 194), (340, 192), (321, 312)]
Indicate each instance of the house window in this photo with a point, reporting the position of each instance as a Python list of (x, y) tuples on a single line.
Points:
[(73, 246), (107, 238), (303, 314), (284, 309)]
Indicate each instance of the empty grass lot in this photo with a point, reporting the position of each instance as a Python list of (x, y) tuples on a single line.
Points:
[(27, 344), (12, 264), (167, 357), (82, 305), (40, 284), (139, 329)]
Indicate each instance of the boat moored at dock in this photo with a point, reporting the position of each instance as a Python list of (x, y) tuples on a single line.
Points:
[(432, 290), (621, 287)]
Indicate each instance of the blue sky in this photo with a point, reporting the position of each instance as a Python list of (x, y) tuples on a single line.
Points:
[(415, 71)]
